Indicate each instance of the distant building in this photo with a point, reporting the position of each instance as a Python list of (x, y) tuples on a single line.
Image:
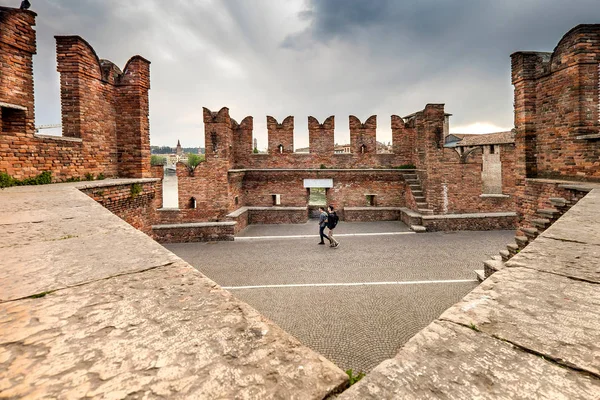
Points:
[(176, 157), (342, 149)]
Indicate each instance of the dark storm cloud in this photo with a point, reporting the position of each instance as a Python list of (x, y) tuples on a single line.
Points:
[(308, 57)]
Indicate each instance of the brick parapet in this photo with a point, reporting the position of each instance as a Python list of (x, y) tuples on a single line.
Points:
[(557, 107), (17, 47), (135, 202), (104, 111)]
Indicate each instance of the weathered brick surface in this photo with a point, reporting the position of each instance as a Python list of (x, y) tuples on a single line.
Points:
[(556, 104), (194, 234), (104, 110), (277, 216), (135, 203), (535, 195), (373, 214), (470, 224), (556, 101)]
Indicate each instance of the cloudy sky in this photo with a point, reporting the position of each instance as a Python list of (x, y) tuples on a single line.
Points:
[(309, 57)]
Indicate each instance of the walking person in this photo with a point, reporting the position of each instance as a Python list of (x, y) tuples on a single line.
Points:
[(332, 221), (323, 225)]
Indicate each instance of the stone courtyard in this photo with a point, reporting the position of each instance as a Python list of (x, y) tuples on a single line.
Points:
[(358, 304)]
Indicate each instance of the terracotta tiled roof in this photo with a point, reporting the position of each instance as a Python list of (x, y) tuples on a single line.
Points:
[(485, 139)]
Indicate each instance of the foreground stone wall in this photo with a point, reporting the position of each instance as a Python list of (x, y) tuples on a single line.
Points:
[(529, 331), (126, 317), (104, 110)]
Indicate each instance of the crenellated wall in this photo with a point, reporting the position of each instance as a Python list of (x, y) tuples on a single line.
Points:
[(557, 117), (233, 177), (104, 110)]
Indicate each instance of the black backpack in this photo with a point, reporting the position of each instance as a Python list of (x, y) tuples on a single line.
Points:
[(332, 220)]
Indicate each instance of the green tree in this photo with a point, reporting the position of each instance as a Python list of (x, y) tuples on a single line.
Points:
[(158, 160), (194, 160)]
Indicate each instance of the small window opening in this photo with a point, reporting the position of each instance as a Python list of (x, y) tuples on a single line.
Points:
[(492, 149), (363, 149), (280, 149), (370, 200), (236, 200), (276, 199), (193, 203), (317, 197), (213, 139)]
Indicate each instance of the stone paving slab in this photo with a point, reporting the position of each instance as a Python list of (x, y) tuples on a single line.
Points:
[(448, 361), (312, 228), (168, 332), (577, 260), (359, 326), (119, 316), (545, 313)]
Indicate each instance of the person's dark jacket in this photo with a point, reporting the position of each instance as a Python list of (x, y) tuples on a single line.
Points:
[(332, 220)]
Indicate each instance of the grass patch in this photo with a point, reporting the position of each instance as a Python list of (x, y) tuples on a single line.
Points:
[(100, 177), (6, 180), (474, 327), (354, 378), (135, 190), (405, 166), (40, 295)]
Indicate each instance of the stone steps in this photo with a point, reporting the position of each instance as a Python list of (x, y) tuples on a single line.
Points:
[(418, 228), (531, 233), (558, 202), (505, 255), (425, 211), (522, 241), (491, 266), (549, 213), (512, 248), (421, 205), (410, 176), (547, 217), (480, 274), (541, 223)]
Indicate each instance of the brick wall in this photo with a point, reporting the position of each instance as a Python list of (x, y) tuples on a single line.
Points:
[(104, 110), (135, 203), (557, 120), (556, 104), (321, 137), (535, 195)]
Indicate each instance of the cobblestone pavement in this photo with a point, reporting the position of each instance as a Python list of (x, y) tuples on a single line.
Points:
[(355, 326), (311, 228)]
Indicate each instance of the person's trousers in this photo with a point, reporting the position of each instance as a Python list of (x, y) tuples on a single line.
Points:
[(322, 234), (331, 238)]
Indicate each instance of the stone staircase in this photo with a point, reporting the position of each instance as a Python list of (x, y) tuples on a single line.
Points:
[(545, 218), (412, 179)]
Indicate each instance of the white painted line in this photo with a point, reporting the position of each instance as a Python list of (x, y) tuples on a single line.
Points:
[(317, 236), (297, 285)]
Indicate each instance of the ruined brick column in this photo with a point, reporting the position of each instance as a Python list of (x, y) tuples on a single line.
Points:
[(403, 142), (218, 142), (133, 124), (17, 47), (321, 139), (281, 134), (363, 136), (242, 142)]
